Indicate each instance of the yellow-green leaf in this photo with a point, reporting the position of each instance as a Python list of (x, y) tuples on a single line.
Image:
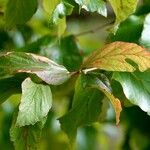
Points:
[(114, 56), (58, 16), (50, 5), (123, 8)]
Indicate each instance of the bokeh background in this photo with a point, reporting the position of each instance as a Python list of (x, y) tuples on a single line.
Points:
[(90, 32)]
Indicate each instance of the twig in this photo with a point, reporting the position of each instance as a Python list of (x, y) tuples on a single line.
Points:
[(91, 31)]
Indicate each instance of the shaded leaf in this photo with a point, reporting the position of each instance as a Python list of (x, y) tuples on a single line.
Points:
[(27, 137), (106, 89), (10, 86), (93, 5), (70, 53), (86, 108), (136, 87), (19, 11), (36, 102), (114, 56), (47, 70), (143, 8), (37, 45), (129, 30), (123, 8)]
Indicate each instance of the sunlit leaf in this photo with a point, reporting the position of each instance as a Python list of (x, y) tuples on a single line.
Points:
[(19, 11), (50, 5), (36, 102), (145, 36), (61, 26), (47, 70), (123, 8), (58, 16), (136, 87), (63, 9), (93, 5), (114, 56)]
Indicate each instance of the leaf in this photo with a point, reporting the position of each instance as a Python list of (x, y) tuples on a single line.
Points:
[(123, 8), (93, 5), (37, 45), (103, 86), (47, 70), (19, 11), (50, 5), (71, 56), (36, 102), (101, 82), (86, 108), (58, 17), (61, 26), (129, 30), (114, 56), (10, 86), (62, 9), (145, 37), (28, 137), (143, 8), (136, 87)]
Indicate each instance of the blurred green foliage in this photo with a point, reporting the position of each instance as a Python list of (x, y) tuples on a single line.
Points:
[(68, 47)]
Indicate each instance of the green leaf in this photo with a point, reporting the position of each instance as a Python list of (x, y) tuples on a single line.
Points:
[(123, 8), (86, 108), (36, 102), (145, 37), (10, 86), (50, 5), (58, 17), (129, 30), (70, 53), (104, 86), (143, 8), (93, 5), (19, 11), (62, 9), (61, 26), (27, 137), (136, 87), (114, 56), (37, 45), (47, 70)]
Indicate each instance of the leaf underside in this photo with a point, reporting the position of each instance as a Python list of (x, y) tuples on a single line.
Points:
[(44, 68)]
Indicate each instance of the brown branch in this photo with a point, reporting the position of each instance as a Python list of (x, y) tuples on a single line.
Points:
[(91, 31)]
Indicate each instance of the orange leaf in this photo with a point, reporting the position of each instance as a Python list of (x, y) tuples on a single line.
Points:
[(113, 57)]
